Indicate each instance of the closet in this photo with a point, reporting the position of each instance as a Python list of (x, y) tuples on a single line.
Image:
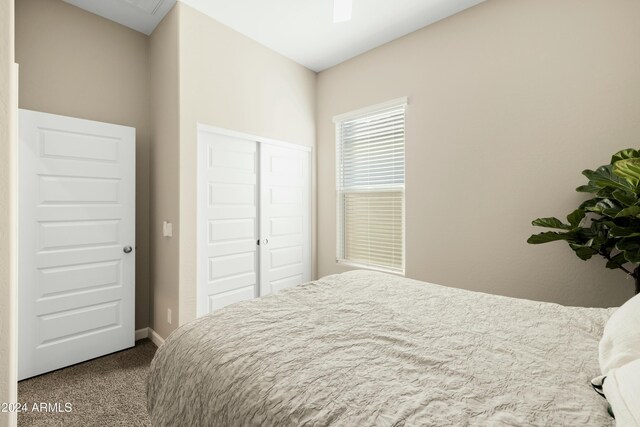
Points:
[(253, 217)]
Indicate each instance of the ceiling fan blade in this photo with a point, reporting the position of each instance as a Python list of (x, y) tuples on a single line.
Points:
[(342, 10)]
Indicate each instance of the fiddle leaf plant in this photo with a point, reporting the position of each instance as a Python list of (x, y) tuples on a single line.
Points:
[(607, 224)]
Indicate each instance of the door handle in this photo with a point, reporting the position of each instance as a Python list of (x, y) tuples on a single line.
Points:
[(265, 241), (127, 249)]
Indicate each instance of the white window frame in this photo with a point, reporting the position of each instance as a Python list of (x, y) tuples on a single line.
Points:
[(338, 120)]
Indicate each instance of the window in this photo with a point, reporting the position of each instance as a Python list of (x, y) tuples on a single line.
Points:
[(370, 187)]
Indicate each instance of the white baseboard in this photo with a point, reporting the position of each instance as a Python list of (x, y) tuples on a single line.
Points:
[(151, 334), (155, 338), (142, 333)]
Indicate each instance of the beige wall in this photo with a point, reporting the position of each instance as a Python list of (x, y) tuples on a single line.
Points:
[(8, 101), (78, 64), (230, 81), (508, 102), (165, 179)]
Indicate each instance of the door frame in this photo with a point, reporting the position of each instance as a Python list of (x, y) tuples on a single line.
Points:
[(202, 127), (10, 368), (201, 243)]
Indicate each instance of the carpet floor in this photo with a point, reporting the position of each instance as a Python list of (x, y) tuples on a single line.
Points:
[(103, 392)]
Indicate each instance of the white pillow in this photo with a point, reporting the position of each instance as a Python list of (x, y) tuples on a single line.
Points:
[(620, 343), (622, 390)]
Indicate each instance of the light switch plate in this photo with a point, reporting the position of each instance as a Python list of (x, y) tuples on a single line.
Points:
[(167, 229)]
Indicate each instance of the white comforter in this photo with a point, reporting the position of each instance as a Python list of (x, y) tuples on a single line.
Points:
[(369, 349)]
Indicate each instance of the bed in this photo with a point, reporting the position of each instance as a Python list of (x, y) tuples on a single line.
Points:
[(370, 349)]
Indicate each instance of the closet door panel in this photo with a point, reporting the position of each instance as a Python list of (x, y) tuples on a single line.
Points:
[(284, 218), (228, 221)]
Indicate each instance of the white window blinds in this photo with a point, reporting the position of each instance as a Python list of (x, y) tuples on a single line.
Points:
[(370, 187)]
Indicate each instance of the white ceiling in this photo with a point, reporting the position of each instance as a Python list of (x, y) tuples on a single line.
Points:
[(140, 15), (302, 30)]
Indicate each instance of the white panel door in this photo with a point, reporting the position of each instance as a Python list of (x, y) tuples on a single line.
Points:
[(285, 258), (227, 221), (76, 273)]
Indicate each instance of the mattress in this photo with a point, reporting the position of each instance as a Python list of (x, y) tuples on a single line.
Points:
[(370, 349)]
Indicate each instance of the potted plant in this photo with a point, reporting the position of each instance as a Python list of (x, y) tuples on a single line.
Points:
[(607, 224)]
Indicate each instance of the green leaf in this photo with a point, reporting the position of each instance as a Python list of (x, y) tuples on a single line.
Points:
[(604, 177), (629, 153), (632, 255), (576, 217), (584, 252), (629, 169), (588, 189), (627, 198), (603, 222), (618, 232), (550, 223), (548, 236), (606, 192), (588, 204), (617, 261), (630, 246), (604, 207), (608, 204), (625, 244), (631, 211)]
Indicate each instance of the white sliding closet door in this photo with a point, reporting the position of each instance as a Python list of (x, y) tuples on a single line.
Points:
[(228, 221), (285, 258), (76, 262), (253, 218)]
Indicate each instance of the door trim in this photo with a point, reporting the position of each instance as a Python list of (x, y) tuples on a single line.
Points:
[(202, 127), (12, 356)]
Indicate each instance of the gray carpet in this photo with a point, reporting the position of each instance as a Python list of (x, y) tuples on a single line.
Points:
[(108, 391)]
